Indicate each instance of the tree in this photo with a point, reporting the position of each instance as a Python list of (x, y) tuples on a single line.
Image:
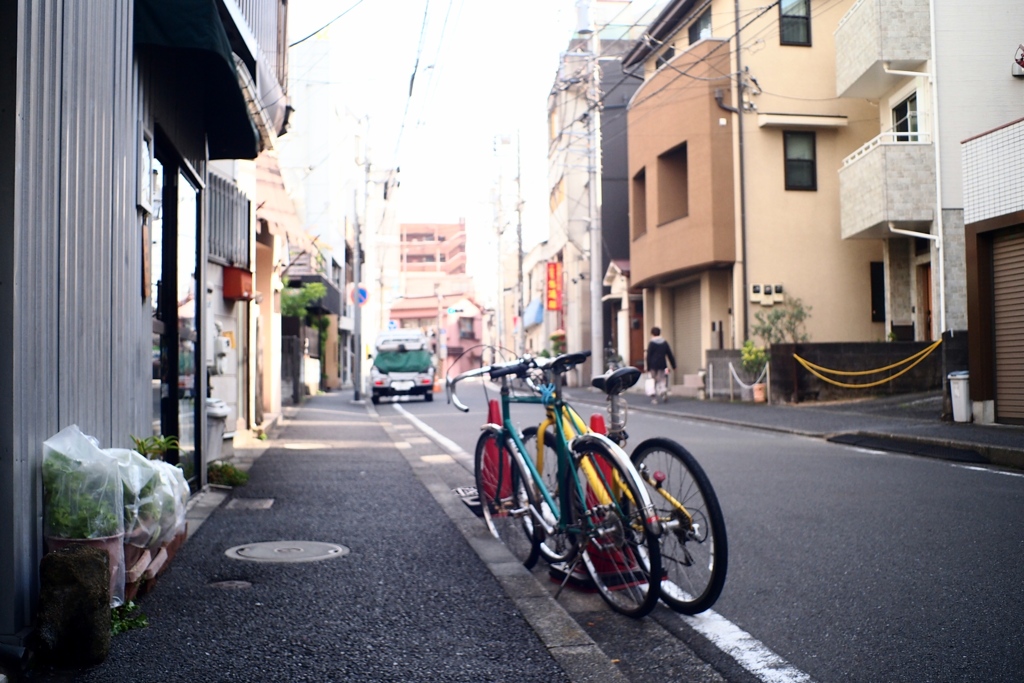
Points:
[(783, 323), (295, 302)]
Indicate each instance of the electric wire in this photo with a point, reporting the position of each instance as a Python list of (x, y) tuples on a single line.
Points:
[(302, 40)]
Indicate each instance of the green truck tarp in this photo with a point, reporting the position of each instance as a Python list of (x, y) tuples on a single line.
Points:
[(402, 361)]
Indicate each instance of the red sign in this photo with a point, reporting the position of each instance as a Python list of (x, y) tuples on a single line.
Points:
[(553, 290)]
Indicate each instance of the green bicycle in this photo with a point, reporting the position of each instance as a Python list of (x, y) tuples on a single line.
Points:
[(594, 511)]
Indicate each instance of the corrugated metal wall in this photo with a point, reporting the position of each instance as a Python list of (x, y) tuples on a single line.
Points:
[(80, 348)]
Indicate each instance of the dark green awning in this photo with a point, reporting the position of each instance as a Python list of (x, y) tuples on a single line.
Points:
[(190, 35)]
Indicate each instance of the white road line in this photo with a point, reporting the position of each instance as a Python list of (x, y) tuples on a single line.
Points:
[(444, 441), (749, 652), (989, 470)]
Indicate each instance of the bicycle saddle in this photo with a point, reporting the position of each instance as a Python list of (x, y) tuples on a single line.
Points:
[(617, 381), (567, 361)]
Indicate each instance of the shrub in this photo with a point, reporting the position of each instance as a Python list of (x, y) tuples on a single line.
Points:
[(225, 474)]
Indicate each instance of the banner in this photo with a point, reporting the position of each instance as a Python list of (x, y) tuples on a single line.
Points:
[(553, 291)]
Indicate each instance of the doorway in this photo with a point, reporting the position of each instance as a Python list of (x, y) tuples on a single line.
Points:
[(924, 301), (174, 259)]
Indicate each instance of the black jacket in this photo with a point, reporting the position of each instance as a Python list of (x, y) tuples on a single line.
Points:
[(657, 352)]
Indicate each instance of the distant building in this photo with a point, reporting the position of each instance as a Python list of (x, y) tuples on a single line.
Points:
[(436, 294)]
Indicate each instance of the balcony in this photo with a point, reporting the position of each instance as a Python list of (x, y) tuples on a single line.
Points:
[(891, 178), (876, 32)]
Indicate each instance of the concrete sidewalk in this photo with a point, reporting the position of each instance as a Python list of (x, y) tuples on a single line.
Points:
[(907, 423), (371, 569)]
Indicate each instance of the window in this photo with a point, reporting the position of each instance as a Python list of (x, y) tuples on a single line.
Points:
[(701, 28), (795, 22), (466, 328), (801, 171), (639, 206), (673, 185), (904, 119), (666, 57)]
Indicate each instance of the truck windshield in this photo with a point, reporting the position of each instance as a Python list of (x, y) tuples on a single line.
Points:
[(402, 361)]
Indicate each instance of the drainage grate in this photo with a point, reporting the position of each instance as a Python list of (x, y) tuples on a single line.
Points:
[(231, 584), (249, 504), (287, 551)]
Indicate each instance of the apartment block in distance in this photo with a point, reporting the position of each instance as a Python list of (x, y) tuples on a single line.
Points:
[(734, 141)]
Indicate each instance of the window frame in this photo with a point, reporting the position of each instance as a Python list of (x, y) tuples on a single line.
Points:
[(911, 119), (704, 18), (787, 135), (789, 19)]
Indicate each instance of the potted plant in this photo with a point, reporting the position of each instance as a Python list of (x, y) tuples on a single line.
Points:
[(754, 359), (83, 500)]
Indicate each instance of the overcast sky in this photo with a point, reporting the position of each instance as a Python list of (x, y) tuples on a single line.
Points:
[(484, 69)]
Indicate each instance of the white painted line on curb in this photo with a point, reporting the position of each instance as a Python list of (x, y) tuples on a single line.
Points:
[(989, 470), (749, 652), (444, 441)]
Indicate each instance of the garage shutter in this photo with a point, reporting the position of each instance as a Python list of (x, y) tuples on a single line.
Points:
[(686, 328), (1008, 278)]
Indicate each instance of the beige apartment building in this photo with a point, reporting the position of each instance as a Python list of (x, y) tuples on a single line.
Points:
[(735, 137)]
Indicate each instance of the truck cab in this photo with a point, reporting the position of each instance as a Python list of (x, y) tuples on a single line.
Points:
[(402, 366)]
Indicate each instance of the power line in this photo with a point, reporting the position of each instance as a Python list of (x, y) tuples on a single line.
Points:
[(358, 2)]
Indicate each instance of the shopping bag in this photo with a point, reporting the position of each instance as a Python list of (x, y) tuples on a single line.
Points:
[(649, 388)]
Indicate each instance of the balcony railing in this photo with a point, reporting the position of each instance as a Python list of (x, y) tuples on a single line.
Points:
[(889, 138)]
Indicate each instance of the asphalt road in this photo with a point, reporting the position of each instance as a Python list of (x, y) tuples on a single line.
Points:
[(845, 564)]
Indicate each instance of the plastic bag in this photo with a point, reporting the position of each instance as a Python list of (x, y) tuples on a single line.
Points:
[(83, 500), (141, 512), (171, 492), (649, 387)]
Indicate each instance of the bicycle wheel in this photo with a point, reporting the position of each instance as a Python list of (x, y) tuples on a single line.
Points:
[(505, 499), (554, 547), (694, 549), (620, 553)]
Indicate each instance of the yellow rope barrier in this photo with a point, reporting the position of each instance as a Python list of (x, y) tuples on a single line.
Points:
[(816, 370)]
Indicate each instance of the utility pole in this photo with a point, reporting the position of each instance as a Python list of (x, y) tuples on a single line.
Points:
[(521, 341), (594, 170), (357, 269), (357, 316)]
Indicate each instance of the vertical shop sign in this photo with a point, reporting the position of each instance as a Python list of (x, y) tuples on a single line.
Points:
[(553, 294)]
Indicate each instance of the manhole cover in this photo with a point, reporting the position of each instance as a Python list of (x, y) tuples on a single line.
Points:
[(231, 584), (287, 551)]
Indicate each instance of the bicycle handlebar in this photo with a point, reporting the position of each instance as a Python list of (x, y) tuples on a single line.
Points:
[(519, 367)]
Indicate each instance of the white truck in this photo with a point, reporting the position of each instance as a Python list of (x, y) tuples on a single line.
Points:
[(402, 366)]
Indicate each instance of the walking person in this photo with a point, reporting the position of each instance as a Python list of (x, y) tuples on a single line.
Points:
[(660, 362)]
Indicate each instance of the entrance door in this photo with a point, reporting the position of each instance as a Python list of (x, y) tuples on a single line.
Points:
[(686, 332), (173, 286), (924, 301)]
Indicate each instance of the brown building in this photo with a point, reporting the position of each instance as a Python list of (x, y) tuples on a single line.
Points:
[(734, 198)]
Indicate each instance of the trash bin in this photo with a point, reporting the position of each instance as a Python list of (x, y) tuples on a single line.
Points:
[(216, 419), (959, 391)]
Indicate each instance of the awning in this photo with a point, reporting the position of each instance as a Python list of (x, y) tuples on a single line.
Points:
[(190, 36)]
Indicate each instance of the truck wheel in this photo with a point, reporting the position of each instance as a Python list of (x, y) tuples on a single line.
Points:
[(375, 398), (428, 397)]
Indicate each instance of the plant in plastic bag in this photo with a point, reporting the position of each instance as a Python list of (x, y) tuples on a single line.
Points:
[(82, 491), (83, 500), (139, 480)]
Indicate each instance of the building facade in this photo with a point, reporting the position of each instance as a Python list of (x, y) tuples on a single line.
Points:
[(994, 246), (734, 202), (112, 223)]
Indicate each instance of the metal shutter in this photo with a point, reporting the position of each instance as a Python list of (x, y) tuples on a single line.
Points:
[(1008, 305), (686, 329)]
